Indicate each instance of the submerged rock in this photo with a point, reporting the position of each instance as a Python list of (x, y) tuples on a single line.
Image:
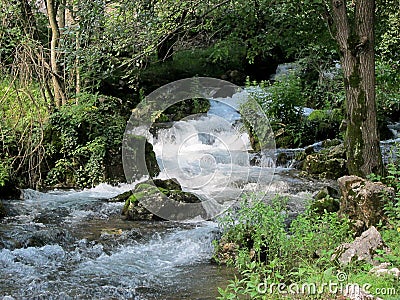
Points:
[(363, 248), (362, 200), (159, 195)]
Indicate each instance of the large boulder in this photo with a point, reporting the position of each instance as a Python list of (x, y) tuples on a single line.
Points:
[(328, 163), (363, 201), (363, 248), (163, 196), (133, 159)]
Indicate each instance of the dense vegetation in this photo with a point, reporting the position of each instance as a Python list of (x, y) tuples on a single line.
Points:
[(71, 71), (267, 248), (61, 61)]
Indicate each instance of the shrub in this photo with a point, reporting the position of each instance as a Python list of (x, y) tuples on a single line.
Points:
[(270, 251), (81, 137)]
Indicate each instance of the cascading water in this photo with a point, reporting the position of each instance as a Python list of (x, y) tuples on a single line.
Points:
[(74, 244)]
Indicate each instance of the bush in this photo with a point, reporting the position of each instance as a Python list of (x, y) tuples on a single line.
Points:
[(387, 91), (270, 251), (4, 173), (80, 138), (283, 102)]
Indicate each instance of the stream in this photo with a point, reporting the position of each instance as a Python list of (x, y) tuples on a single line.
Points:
[(71, 244)]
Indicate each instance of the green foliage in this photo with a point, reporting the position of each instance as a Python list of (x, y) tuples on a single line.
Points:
[(22, 114), (270, 252), (189, 63), (392, 179), (81, 137), (387, 91), (388, 31), (4, 173), (283, 102)]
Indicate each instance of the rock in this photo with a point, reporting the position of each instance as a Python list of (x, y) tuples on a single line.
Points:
[(282, 159), (121, 197), (328, 163), (133, 159), (164, 196), (325, 200), (2, 210), (327, 204), (226, 251), (362, 200), (362, 248), (326, 191), (330, 143), (309, 150), (151, 161), (357, 293), (383, 269)]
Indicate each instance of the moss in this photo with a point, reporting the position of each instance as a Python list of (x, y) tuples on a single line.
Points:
[(355, 78), (318, 115), (183, 109)]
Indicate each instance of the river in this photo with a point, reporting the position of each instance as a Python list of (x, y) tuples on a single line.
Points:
[(72, 244)]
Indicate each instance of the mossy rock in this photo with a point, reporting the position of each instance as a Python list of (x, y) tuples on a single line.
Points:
[(331, 143), (151, 160), (326, 191), (326, 199), (154, 193), (332, 168), (121, 197), (329, 163), (135, 158), (282, 159)]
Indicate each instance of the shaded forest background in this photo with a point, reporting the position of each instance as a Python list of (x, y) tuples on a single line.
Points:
[(71, 71)]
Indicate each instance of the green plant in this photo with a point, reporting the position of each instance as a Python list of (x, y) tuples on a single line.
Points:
[(81, 138), (387, 91), (269, 251), (392, 179), (4, 173)]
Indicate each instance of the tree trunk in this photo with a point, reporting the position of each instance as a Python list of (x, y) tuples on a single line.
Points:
[(355, 37), (59, 95)]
